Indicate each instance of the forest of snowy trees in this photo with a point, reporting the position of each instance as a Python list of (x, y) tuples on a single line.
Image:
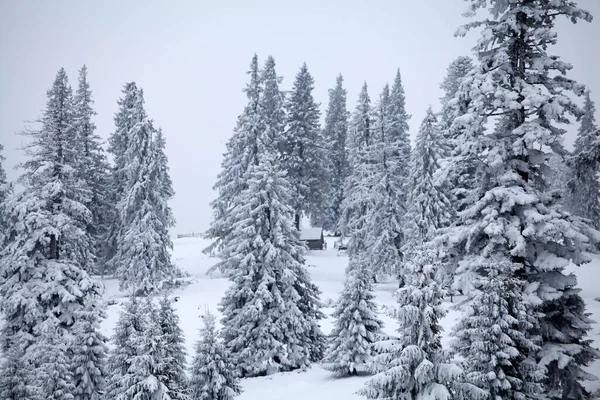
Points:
[(486, 201)]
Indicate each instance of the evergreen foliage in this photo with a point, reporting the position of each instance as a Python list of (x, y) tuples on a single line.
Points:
[(356, 323), (430, 208), (172, 344), (88, 355), (213, 369), (359, 182), (583, 187), (494, 337), (302, 149), (513, 221), (335, 134), (125, 119), (92, 167), (263, 300), (45, 291), (241, 153), (5, 192), (143, 261), (392, 157), (414, 365)]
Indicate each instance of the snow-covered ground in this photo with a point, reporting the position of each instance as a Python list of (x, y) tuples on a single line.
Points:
[(327, 270)]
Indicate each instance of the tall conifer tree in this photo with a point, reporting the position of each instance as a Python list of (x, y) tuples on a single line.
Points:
[(583, 197), (92, 166), (335, 134), (241, 153), (143, 261), (45, 291), (513, 226), (302, 149)]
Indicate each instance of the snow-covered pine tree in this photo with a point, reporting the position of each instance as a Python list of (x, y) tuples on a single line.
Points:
[(92, 165), (310, 306), (164, 178), (494, 338), (54, 379), (414, 365), (44, 287), (241, 153), (513, 220), (392, 156), (397, 135), (143, 261), (429, 206), (359, 181), (213, 371), (125, 119), (145, 378), (20, 260), (584, 187), (88, 355), (357, 324), (130, 325), (172, 344), (335, 133), (5, 192), (457, 183), (302, 149), (262, 303), (271, 107)]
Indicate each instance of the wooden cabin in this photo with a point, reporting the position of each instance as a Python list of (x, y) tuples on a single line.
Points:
[(314, 238)]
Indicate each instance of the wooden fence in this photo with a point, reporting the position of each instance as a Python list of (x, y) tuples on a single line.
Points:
[(190, 235)]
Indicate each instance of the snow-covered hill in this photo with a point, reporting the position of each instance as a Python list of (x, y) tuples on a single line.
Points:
[(327, 270)]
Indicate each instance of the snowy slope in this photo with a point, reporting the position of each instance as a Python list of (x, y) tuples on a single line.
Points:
[(327, 270)]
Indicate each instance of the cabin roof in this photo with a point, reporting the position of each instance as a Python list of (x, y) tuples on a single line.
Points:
[(311, 233)]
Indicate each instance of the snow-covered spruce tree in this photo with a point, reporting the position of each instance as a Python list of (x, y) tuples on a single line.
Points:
[(241, 152), (513, 220), (89, 354), (92, 166), (392, 157), (335, 133), (414, 365), (357, 325), (143, 261), (457, 183), (164, 178), (359, 182), (494, 338), (429, 206), (173, 351), (271, 107), (397, 135), (51, 172), (302, 149), (213, 372), (145, 378), (583, 197), (263, 303), (20, 260), (53, 378), (125, 119), (5, 192), (130, 325), (44, 287)]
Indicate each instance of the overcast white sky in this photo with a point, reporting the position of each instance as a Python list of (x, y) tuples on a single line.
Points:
[(190, 57)]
